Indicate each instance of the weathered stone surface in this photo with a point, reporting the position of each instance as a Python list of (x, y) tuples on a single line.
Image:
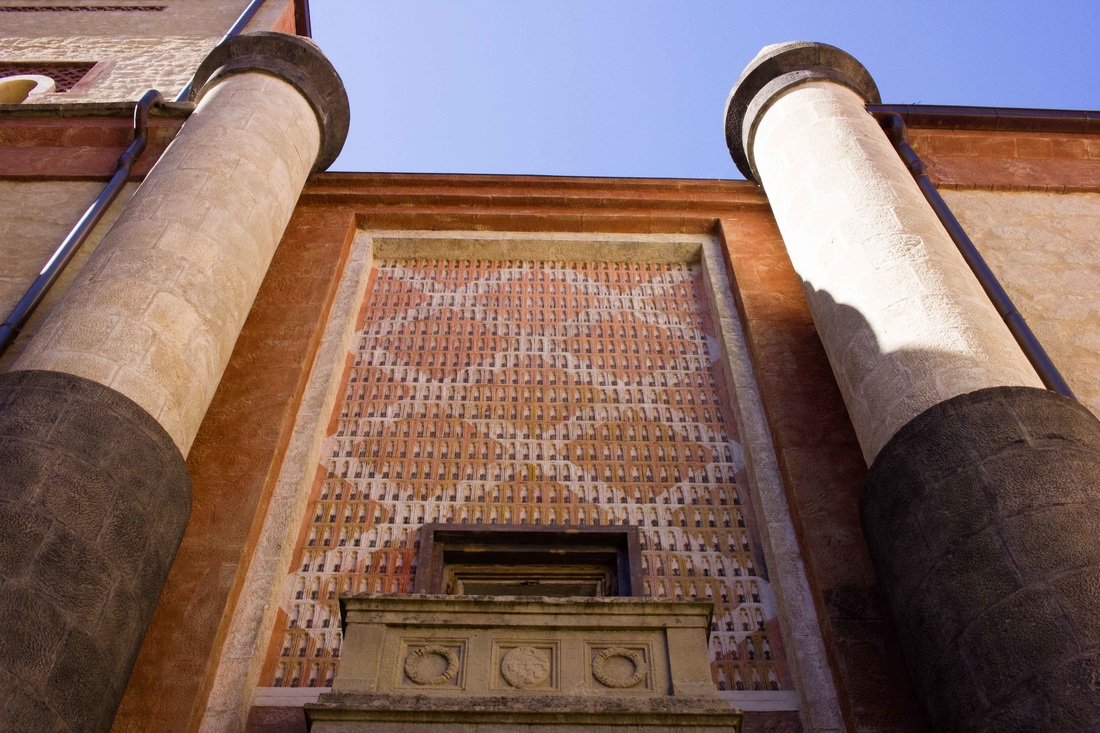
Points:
[(990, 558), (156, 311), (775, 70), (447, 663), (903, 320), (295, 60), (1044, 248), (74, 599)]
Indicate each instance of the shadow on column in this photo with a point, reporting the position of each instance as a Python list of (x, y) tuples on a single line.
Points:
[(982, 515)]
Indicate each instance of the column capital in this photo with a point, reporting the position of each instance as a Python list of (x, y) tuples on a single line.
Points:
[(775, 70), (297, 61)]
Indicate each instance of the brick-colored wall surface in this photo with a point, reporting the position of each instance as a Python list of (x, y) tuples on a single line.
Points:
[(233, 463), (1030, 201), (38, 149), (1026, 161), (530, 393), (1045, 249), (824, 471), (861, 650)]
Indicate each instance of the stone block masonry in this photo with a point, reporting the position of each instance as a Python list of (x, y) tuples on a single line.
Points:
[(95, 500), (157, 309), (134, 64), (122, 371), (979, 509), (982, 515)]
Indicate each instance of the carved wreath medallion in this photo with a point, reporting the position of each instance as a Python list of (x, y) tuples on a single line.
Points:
[(525, 667), (414, 666), (611, 677)]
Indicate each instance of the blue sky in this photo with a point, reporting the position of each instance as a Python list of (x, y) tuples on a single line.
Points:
[(618, 88)]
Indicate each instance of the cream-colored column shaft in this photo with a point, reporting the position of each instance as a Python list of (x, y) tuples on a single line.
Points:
[(156, 311), (903, 320)]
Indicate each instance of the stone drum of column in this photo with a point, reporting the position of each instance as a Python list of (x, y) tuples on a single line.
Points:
[(156, 311), (904, 322), (981, 506), (100, 410)]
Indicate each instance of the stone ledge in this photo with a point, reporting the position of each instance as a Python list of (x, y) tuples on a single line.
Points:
[(460, 663), (774, 71), (297, 61), (519, 610), (77, 110), (340, 713)]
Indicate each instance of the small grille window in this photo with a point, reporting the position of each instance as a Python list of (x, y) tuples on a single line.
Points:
[(81, 8), (65, 74)]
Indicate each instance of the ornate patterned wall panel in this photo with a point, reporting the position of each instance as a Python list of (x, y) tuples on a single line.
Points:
[(510, 392)]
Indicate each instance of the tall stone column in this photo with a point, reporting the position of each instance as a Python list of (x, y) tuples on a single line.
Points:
[(980, 509), (99, 412)]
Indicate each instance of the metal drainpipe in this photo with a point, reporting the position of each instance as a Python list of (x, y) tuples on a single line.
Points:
[(68, 248), (898, 133), (23, 310), (234, 30)]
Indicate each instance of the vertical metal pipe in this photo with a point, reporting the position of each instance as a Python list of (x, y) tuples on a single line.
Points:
[(26, 306), (898, 133), (64, 253), (234, 30)]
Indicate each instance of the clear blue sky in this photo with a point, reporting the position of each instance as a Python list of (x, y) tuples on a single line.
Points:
[(637, 88)]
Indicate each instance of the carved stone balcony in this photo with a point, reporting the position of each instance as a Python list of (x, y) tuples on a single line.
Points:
[(480, 663)]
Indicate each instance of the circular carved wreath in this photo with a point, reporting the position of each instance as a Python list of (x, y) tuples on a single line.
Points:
[(600, 671), (412, 665)]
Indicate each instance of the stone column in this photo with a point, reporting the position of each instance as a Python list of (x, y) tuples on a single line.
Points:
[(980, 507), (99, 412)]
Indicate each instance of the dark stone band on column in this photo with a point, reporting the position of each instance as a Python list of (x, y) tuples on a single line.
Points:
[(297, 61), (775, 70), (94, 498), (983, 518)]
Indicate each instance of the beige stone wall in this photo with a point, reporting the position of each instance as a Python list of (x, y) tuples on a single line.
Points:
[(205, 18), (1045, 248), (158, 308), (34, 217), (139, 50), (903, 320)]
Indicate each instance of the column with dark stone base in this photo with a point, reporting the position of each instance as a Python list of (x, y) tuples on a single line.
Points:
[(102, 406), (983, 516), (94, 501), (982, 507)]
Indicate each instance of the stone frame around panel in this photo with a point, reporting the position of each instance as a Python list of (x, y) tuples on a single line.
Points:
[(234, 689)]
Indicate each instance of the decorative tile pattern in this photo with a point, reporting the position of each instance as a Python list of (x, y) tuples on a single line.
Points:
[(532, 393)]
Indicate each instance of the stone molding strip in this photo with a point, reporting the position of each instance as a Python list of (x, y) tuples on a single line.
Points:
[(81, 110), (295, 60), (776, 70), (94, 500), (989, 119), (982, 518)]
